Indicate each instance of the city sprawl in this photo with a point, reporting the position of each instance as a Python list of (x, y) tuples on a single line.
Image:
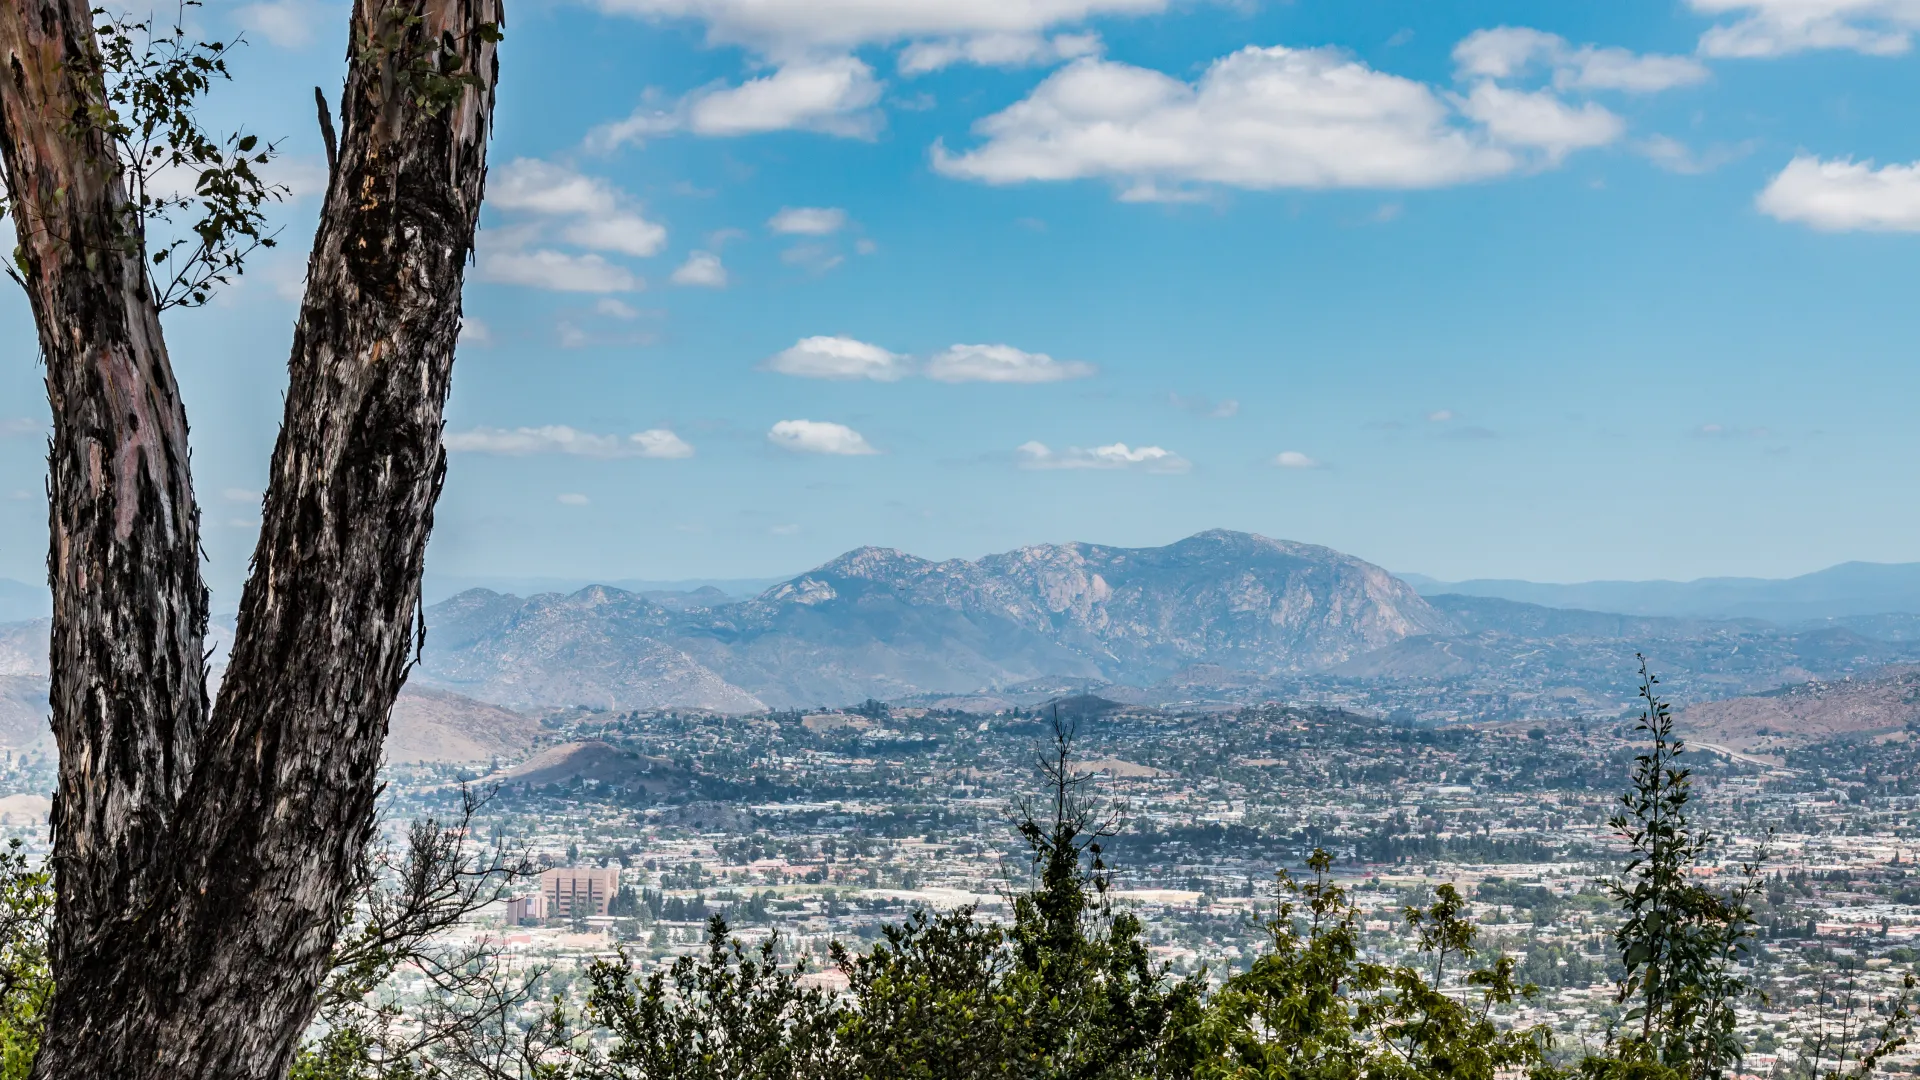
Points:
[(817, 826)]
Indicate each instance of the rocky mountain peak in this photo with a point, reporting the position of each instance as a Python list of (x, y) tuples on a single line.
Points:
[(880, 622), (886, 565)]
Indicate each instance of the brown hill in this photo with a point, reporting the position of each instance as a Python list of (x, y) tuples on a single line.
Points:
[(428, 724), (597, 762), (1809, 712), (439, 725)]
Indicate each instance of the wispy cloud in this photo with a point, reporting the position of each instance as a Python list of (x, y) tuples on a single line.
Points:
[(1224, 409), (1153, 459), (561, 439), (1002, 364), (556, 203), (1675, 156), (557, 271), (808, 220), (1506, 52), (840, 357), (1724, 431), (818, 258), (995, 50), (1767, 28), (831, 95)]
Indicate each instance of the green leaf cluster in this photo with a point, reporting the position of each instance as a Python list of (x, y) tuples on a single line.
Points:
[(26, 907), (432, 74), (149, 81), (1313, 1008), (1680, 941)]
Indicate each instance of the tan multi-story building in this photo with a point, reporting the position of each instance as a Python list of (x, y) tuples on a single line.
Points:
[(531, 908), (577, 891)]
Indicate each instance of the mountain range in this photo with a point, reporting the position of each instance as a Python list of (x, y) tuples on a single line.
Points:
[(1851, 589), (1218, 616), (881, 623)]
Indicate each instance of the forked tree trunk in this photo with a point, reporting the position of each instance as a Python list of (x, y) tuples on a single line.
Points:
[(203, 859)]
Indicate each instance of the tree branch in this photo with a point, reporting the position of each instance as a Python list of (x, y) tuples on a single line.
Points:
[(326, 131)]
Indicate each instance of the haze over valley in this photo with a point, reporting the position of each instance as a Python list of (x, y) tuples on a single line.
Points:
[(1218, 619)]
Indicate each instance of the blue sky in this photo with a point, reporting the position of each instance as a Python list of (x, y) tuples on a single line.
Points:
[(1472, 289)]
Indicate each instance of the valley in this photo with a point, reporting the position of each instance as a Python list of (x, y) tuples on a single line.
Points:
[(818, 760)]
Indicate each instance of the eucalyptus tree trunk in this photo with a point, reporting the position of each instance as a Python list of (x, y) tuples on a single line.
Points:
[(204, 855)]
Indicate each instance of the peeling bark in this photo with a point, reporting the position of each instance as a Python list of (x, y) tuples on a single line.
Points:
[(204, 858), (130, 611)]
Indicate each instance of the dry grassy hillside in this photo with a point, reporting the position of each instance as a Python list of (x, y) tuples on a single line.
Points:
[(1808, 712), (438, 725)]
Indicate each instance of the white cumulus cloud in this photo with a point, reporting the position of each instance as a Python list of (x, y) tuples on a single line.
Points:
[(835, 96), (818, 437), (1540, 120), (1154, 459), (561, 439), (819, 83), (825, 357), (808, 220), (703, 269), (659, 443), (556, 270), (595, 216), (545, 188), (1002, 364), (1844, 195), (1765, 28), (1258, 118), (1294, 459)]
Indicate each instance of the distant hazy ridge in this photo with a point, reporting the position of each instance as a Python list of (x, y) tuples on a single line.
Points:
[(1849, 589), (881, 623), (1217, 612)]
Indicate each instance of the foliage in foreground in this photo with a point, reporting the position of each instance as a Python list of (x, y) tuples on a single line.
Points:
[(1315, 1008), (26, 908), (1068, 990)]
